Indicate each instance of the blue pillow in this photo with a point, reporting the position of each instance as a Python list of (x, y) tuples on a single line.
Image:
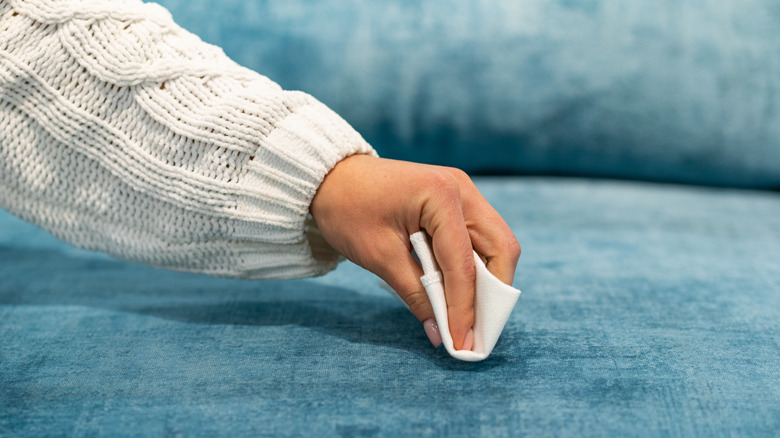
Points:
[(668, 90)]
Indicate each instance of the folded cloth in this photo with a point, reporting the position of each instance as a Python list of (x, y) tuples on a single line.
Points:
[(493, 302)]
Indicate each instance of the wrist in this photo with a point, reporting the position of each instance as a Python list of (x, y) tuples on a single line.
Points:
[(342, 178)]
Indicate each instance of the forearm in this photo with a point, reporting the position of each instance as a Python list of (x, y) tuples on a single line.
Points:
[(123, 133)]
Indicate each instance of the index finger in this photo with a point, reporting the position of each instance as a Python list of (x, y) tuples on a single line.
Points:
[(443, 219)]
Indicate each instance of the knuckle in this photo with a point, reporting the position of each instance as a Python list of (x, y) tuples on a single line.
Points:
[(470, 269), (459, 174), (416, 300), (464, 274), (442, 183), (406, 286), (461, 264), (471, 273), (513, 247)]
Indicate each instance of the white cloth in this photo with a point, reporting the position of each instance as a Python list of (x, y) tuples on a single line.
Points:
[(493, 302)]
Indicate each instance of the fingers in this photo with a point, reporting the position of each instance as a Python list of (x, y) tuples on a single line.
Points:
[(490, 235), (403, 274), (365, 225), (499, 246), (442, 217), (504, 265)]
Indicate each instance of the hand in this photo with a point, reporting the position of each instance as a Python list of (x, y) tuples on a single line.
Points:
[(367, 207)]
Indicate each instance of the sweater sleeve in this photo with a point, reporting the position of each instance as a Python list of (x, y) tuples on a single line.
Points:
[(123, 133)]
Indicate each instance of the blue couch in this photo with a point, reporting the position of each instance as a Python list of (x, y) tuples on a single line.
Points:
[(650, 308)]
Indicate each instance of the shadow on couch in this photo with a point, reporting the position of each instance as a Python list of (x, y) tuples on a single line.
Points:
[(99, 282)]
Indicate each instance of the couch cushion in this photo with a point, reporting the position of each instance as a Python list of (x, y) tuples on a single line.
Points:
[(646, 310), (662, 90)]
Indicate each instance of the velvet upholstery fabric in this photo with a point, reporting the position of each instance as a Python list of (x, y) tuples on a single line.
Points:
[(665, 90), (647, 310)]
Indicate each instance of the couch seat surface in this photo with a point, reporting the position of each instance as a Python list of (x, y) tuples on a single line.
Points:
[(647, 309)]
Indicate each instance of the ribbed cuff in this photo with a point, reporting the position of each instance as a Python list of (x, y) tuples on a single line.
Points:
[(290, 165)]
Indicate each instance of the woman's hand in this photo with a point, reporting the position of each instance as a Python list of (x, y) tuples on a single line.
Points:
[(367, 208)]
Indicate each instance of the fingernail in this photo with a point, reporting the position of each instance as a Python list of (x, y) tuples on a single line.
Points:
[(432, 330), (468, 341)]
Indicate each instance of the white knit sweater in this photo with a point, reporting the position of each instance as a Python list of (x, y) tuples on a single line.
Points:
[(121, 132)]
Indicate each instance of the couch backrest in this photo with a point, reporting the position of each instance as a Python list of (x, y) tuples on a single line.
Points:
[(670, 90)]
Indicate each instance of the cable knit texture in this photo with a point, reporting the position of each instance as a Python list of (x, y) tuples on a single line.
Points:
[(122, 132)]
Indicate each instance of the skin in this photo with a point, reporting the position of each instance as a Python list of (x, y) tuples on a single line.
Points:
[(367, 207)]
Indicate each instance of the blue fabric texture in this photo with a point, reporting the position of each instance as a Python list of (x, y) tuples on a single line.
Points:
[(648, 310), (665, 90)]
